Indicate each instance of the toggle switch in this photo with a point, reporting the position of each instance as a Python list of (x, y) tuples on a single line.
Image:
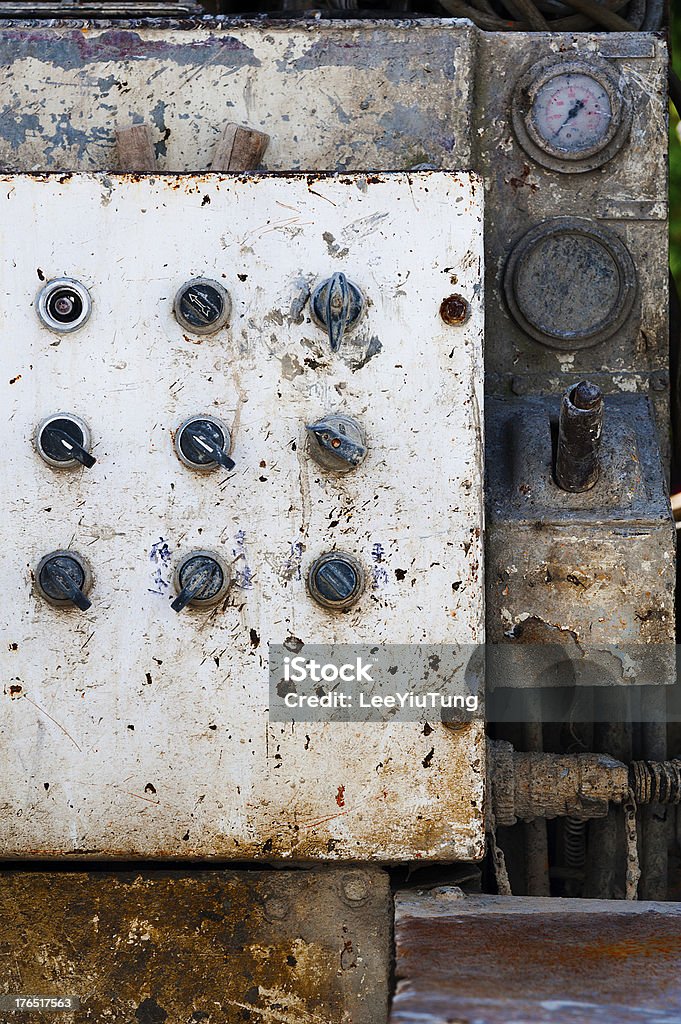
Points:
[(63, 579), (203, 442), (63, 305), (64, 441), (201, 580), (336, 580), (336, 442), (202, 306), (337, 304)]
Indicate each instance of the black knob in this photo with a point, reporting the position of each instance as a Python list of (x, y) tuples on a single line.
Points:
[(200, 580), (63, 305), (336, 580), (202, 443), (63, 441), (337, 305), (64, 578), (202, 306), (336, 442)]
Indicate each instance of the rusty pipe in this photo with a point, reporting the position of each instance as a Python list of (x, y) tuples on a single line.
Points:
[(579, 437)]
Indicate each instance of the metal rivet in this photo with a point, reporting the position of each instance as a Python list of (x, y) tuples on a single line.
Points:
[(355, 888)]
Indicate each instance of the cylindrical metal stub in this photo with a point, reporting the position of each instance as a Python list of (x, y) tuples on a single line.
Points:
[(63, 305), (336, 442), (203, 443), (52, 440), (52, 578), (202, 306), (579, 437), (336, 580), (200, 580)]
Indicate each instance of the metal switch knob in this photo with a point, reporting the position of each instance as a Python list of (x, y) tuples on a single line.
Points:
[(200, 581), (336, 580), (63, 579), (63, 305), (202, 306), (202, 442), (63, 441), (336, 442), (337, 305)]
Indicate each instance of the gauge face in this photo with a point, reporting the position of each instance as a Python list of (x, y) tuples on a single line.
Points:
[(572, 113), (570, 283)]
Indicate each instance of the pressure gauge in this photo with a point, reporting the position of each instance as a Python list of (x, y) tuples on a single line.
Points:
[(570, 283), (571, 115)]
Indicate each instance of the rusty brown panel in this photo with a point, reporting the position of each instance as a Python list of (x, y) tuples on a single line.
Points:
[(515, 960), (216, 947)]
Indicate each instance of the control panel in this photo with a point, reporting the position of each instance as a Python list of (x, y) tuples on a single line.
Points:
[(217, 440)]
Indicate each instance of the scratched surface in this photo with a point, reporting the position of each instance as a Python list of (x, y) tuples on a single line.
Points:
[(511, 960), (130, 730), (200, 947), (351, 96)]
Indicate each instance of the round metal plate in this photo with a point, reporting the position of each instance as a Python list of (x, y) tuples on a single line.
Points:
[(602, 109), (570, 283)]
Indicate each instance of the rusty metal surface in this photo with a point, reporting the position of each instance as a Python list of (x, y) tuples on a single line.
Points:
[(332, 96), (590, 572), (514, 960), (202, 947), (131, 731), (628, 195)]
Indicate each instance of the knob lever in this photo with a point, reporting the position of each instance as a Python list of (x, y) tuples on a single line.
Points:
[(71, 446), (198, 581), (202, 440), (63, 582), (337, 309)]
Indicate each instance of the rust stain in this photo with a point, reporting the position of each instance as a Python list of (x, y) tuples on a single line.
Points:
[(454, 310), (340, 796)]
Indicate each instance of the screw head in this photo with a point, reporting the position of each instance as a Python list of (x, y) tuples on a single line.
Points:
[(336, 580), (455, 310)]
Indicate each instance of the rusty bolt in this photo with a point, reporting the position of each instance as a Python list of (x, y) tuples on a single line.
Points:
[(355, 888), (455, 310), (276, 908)]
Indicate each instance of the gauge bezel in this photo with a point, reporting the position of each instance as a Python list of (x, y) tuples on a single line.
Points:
[(622, 306), (554, 157), (46, 295)]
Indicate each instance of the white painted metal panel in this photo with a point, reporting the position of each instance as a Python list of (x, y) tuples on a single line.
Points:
[(130, 730)]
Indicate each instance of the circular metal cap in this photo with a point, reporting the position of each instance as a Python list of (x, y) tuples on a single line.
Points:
[(63, 305), (570, 283), (216, 582), (48, 447), (202, 306), (336, 580), (189, 449), (70, 563)]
